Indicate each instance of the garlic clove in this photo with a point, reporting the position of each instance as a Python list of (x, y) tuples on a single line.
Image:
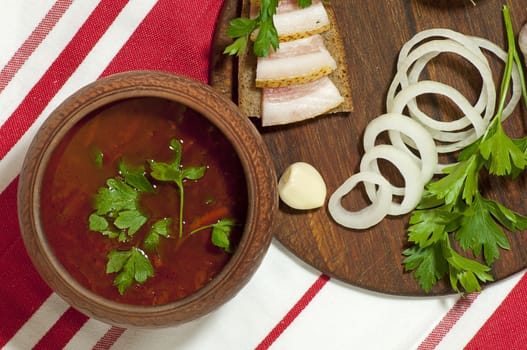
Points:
[(302, 187)]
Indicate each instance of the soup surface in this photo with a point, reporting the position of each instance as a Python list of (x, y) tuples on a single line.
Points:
[(136, 131)]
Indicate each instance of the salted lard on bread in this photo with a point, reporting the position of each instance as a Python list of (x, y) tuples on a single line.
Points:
[(254, 101)]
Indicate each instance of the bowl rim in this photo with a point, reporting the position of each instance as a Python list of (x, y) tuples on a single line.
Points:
[(260, 180)]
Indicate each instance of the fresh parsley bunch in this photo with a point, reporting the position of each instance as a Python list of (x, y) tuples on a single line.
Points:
[(453, 207)]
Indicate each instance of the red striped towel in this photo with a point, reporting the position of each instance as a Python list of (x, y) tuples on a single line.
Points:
[(49, 49)]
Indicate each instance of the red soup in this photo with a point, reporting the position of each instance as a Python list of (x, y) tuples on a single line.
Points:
[(128, 243)]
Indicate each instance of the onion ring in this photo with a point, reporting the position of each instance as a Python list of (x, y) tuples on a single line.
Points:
[(408, 169), (420, 57), (411, 128), (365, 217), (419, 66), (487, 95), (441, 33), (428, 86)]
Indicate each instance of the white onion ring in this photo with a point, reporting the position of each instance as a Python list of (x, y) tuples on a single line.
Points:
[(481, 43), (419, 66), (365, 217), (439, 33), (428, 86), (450, 137), (416, 132), (487, 95), (408, 169), (474, 44), (487, 99)]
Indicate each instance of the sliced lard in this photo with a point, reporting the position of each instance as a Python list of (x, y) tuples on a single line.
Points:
[(293, 22), (295, 62), (299, 102)]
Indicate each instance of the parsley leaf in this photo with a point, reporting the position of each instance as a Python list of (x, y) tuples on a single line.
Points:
[(159, 229), (502, 153), (98, 157), (130, 220), (521, 144), (241, 28), (135, 177), (238, 45), (465, 271), (220, 234), (460, 183), (428, 263), (174, 172), (100, 224), (115, 197), (506, 217), (131, 265), (479, 231), (169, 171), (428, 226), (433, 262), (193, 173), (267, 37), (117, 204)]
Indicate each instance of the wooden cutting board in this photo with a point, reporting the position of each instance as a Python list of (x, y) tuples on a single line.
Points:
[(373, 33)]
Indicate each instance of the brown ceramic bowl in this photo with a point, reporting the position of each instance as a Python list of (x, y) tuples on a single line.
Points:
[(259, 176)]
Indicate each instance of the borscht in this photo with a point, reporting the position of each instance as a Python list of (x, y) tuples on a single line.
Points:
[(143, 201)]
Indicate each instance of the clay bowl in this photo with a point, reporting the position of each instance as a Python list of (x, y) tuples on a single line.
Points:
[(259, 180)]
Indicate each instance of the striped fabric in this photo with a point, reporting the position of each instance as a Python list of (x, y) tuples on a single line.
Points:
[(49, 49)]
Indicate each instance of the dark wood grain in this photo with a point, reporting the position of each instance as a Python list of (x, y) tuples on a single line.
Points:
[(373, 33)]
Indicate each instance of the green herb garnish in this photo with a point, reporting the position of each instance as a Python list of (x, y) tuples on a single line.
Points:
[(135, 177), (98, 157), (159, 229), (131, 265), (454, 204), (130, 221), (116, 211), (240, 29), (100, 224), (221, 232), (117, 216), (174, 172)]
